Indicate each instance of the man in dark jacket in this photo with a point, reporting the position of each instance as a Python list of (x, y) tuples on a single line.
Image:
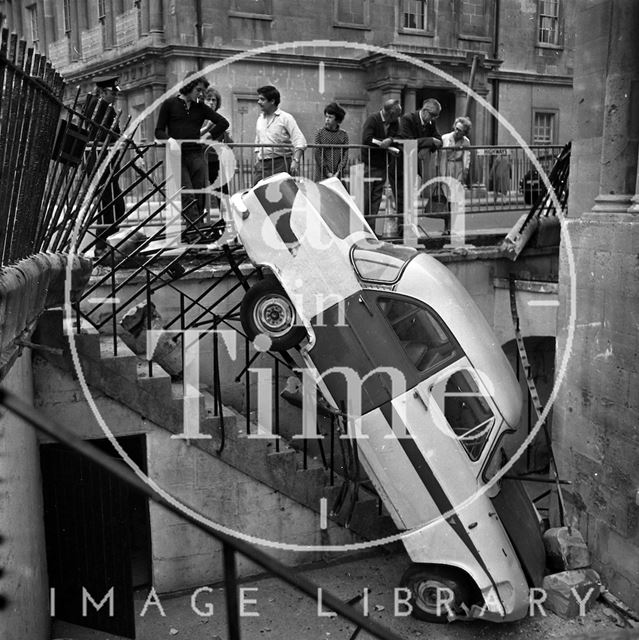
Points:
[(421, 126), (182, 118), (383, 160)]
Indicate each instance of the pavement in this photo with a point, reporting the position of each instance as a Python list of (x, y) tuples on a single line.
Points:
[(281, 613)]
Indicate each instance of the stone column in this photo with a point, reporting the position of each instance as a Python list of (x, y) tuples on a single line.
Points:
[(618, 176), (17, 23), (25, 581), (393, 92), (594, 425), (156, 23), (143, 8), (460, 104), (48, 11), (410, 101), (634, 207)]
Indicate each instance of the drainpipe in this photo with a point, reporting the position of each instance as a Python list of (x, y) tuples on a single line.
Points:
[(495, 81), (471, 83), (198, 30)]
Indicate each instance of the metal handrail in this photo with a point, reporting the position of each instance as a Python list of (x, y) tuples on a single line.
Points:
[(231, 545)]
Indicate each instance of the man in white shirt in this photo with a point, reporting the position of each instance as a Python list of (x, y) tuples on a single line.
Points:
[(455, 163), (277, 130)]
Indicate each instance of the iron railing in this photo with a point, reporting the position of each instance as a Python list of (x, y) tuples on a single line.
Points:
[(215, 306), (499, 179), (135, 271), (30, 93)]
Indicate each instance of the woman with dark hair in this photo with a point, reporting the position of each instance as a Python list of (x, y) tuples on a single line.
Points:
[(331, 161), (213, 99)]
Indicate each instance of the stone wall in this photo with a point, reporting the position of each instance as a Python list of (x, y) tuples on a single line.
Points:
[(596, 415), (182, 556)]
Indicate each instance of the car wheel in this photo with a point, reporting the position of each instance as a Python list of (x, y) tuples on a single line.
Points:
[(435, 590), (266, 310)]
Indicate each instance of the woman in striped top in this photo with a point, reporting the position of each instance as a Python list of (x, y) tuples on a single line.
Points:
[(331, 161)]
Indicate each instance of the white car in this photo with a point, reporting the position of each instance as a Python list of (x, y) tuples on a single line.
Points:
[(393, 339)]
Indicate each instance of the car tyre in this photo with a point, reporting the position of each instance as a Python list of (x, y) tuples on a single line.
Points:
[(267, 310), (423, 581)]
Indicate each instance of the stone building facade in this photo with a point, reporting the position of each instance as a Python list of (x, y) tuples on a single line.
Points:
[(523, 52)]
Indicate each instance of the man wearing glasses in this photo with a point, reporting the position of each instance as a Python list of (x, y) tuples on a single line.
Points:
[(421, 126)]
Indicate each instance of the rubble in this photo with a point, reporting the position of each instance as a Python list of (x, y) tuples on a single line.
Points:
[(570, 594), (565, 549)]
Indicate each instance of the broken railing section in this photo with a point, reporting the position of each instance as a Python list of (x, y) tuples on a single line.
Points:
[(542, 223), (121, 302), (177, 351)]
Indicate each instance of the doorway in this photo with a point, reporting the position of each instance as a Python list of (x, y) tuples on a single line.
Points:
[(98, 537)]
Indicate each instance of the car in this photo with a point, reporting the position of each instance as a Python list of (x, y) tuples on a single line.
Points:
[(395, 342)]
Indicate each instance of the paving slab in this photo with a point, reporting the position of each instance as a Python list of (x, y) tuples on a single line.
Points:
[(285, 614)]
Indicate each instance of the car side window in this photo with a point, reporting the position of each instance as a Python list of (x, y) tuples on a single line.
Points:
[(467, 412), (421, 334)]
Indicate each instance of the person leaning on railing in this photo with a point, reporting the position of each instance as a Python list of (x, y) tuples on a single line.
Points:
[(422, 126), (382, 160), (331, 161), (276, 131)]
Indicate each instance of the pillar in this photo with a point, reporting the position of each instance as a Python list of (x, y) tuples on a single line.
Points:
[(594, 424), (617, 183), (24, 581), (48, 11), (393, 92), (634, 207), (410, 101), (156, 22)]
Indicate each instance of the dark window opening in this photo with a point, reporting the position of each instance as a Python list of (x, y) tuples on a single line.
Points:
[(468, 413), (421, 334)]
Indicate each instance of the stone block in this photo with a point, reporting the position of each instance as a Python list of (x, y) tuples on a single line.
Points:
[(565, 549), (571, 593), (167, 351)]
